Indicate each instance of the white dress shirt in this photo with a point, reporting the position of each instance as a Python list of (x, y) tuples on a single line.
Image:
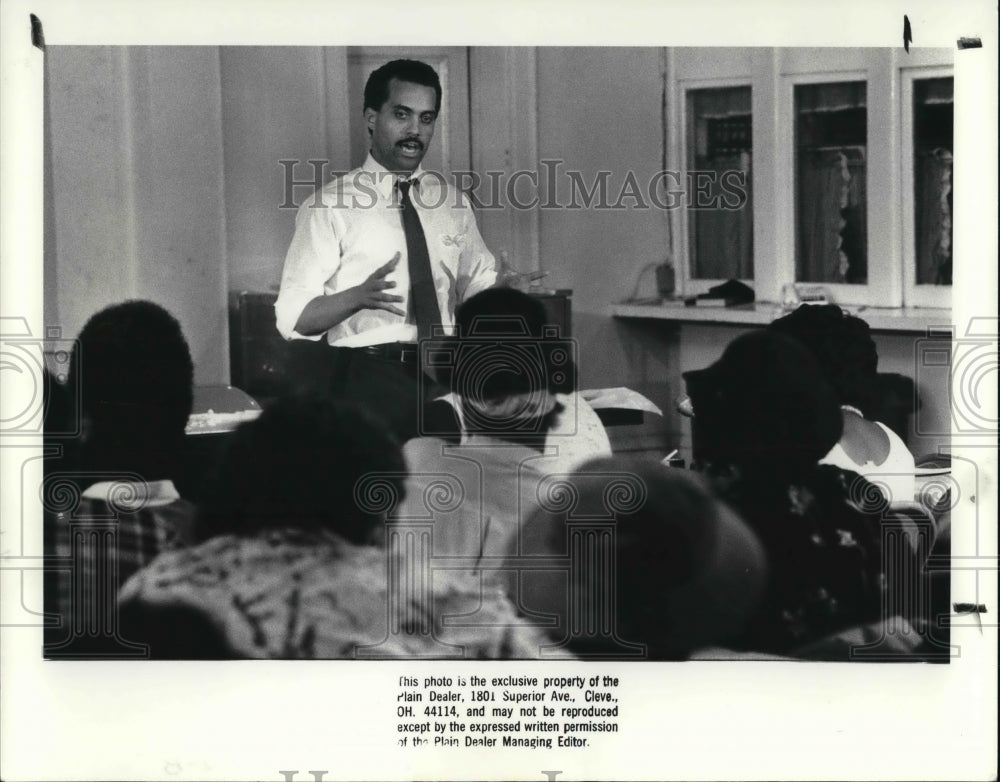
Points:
[(356, 227)]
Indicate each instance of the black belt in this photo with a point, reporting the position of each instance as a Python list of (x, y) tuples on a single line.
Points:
[(403, 352)]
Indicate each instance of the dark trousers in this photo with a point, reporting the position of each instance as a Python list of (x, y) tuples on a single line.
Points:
[(397, 392)]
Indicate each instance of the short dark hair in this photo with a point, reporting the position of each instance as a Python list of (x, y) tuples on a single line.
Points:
[(298, 466), (413, 71), (135, 375), (689, 571), (842, 345), (497, 371)]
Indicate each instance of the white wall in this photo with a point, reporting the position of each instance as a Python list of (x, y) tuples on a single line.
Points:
[(600, 109), (135, 207), (278, 103)]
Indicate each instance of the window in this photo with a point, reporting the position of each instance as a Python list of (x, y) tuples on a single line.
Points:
[(933, 143), (848, 156), (831, 204), (719, 159)]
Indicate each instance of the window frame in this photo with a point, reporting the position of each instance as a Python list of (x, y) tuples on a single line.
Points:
[(677, 160), (915, 295), (881, 288)]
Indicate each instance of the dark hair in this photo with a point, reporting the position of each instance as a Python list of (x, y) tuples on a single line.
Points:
[(688, 571), (298, 465), (134, 371), (765, 408), (502, 355), (842, 345), (413, 71), (500, 312)]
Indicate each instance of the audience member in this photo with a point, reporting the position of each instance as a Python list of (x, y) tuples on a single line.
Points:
[(763, 417), (288, 566), (516, 427), (845, 351), (648, 565), (508, 366), (134, 371)]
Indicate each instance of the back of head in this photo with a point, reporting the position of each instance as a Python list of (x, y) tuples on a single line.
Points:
[(842, 345), (500, 312), (503, 372), (687, 571), (765, 408), (413, 71), (298, 466), (134, 371)]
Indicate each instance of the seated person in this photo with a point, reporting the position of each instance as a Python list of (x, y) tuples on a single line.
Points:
[(498, 330), (681, 570), (134, 371), (516, 428), (289, 565), (845, 351), (764, 415)]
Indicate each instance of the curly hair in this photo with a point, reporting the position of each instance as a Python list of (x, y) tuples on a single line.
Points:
[(843, 346), (298, 465), (764, 408)]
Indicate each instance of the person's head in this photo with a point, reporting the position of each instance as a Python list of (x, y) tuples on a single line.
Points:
[(298, 465), (764, 408), (134, 371), (504, 370), (842, 345), (680, 569), (402, 103)]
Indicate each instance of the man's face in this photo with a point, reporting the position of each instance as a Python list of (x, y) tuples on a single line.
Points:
[(403, 128)]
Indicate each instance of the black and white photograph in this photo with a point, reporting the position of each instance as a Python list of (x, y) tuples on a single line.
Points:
[(387, 400)]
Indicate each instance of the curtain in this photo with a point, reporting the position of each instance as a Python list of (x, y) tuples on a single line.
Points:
[(723, 238), (932, 173), (832, 216), (719, 142)]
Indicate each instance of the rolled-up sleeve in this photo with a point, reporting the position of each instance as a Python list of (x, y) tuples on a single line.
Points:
[(313, 258), (477, 267)]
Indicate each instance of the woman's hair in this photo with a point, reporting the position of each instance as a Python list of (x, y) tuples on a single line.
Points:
[(841, 344), (764, 408), (301, 465)]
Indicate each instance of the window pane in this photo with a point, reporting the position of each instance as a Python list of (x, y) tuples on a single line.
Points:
[(831, 230), (720, 157), (933, 145)]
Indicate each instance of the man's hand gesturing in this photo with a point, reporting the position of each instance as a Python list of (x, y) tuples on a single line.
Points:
[(371, 293)]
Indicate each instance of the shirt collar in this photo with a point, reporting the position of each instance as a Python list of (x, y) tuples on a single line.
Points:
[(385, 180), (128, 495)]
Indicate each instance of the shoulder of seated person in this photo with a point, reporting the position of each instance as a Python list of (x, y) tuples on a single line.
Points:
[(423, 447), (865, 435)]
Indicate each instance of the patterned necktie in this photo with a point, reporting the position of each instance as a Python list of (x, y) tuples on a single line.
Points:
[(423, 298)]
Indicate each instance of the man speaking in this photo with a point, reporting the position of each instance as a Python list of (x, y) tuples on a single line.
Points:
[(385, 253)]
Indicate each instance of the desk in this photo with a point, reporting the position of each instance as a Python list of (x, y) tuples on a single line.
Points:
[(215, 414), (266, 366), (687, 338), (897, 320)]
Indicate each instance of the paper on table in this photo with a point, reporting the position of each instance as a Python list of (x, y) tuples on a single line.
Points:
[(621, 398)]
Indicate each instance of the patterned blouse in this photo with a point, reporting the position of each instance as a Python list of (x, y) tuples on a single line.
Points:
[(291, 594)]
